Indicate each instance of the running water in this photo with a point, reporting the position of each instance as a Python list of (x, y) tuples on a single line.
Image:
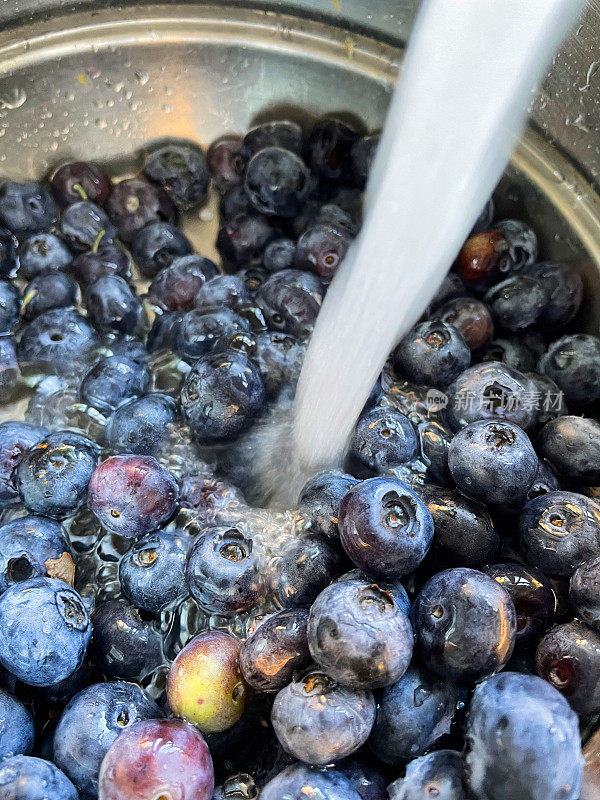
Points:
[(454, 119)]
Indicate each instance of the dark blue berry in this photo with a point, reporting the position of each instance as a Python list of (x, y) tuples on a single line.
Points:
[(199, 330), (362, 155), (228, 291), (34, 547), (279, 254), (432, 353), (45, 292), (225, 162), (157, 245), (176, 286), (112, 305), (243, 238), (585, 592), (522, 244), (299, 781), (277, 182), (329, 149), (321, 249), (152, 573), (15, 439), (517, 302), (26, 207), (440, 775), (135, 203), (164, 331), (572, 445), (181, 172), (112, 381), (279, 358), (80, 180), (279, 133), (108, 259), (8, 253), (84, 225), (16, 727), (383, 438), (58, 339), (471, 317), (565, 290), (276, 650), (320, 500), (291, 300), (41, 253), (573, 363), (29, 778), (142, 425), (513, 351)]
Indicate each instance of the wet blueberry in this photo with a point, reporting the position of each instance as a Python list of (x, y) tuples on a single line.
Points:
[(279, 359), (200, 329), (573, 363), (362, 155), (383, 438), (483, 258), (33, 547), (142, 425), (565, 289), (522, 244), (320, 499), (112, 381), (79, 180), (42, 253), (134, 203), (45, 292), (157, 245), (53, 476), (412, 714), (439, 775), (112, 305), (243, 238), (181, 172), (384, 527), (585, 592), (277, 181), (493, 462), (223, 290), (176, 286), (207, 496), (57, 339), (359, 635), (222, 571), (225, 162), (517, 302), (164, 331), (559, 531), (30, 778), (279, 133), (84, 225), (432, 353), (550, 399), (299, 781), (291, 300), (572, 445), (471, 317), (107, 259), (235, 201), (26, 207), (513, 351), (17, 731), (152, 573), (465, 624), (279, 254), (44, 631), (132, 495), (519, 725)]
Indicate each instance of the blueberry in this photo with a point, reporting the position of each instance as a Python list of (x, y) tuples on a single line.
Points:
[(80, 180), (222, 395), (223, 573), (279, 254), (565, 289), (434, 441), (533, 597), (200, 329), (89, 725), (319, 721), (124, 645), (513, 351), (112, 381), (433, 353), (152, 572), (277, 182), (517, 302), (585, 592), (383, 438), (49, 291), (522, 244), (142, 425), (84, 225), (279, 133), (329, 149), (518, 726), (545, 481), (303, 568), (299, 782), (559, 531), (10, 306), (359, 635), (33, 547), (320, 500), (181, 172), (132, 495), (384, 527), (440, 775), (471, 317), (465, 624), (393, 587), (291, 300), (134, 203), (276, 650), (58, 339), (572, 445), (225, 162), (53, 476), (157, 245), (483, 258), (492, 391), (235, 201), (26, 207), (493, 462), (253, 277), (108, 259), (16, 727), (243, 238), (551, 400), (412, 714), (8, 254), (279, 358), (112, 305), (223, 290), (44, 631), (164, 331), (29, 778), (42, 253), (321, 249), (207, 496), (464, 533), (176, 286), (9, 368), (573, 363)]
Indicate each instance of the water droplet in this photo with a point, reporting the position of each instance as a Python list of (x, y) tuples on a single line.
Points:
[(142, 78)]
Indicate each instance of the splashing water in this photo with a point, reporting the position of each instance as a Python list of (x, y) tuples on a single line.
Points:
[(453, 121)]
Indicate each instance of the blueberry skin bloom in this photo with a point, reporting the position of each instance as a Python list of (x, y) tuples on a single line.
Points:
[(15, 439), (433, 353), (440, 775), (412, 714), (384, 527), (359, 635), (32, 547), (465, 624), (157, 245), (16, 727), (181, 171), (112, 306), (383, 438), (320, 499), (57, 339), (573, 362), (223, 573), (559, 531), (522, 741), (152, 573), (44, 631), (277, 182), (300, 782), (142, 425), (319, 721), (113, 380), (90, 724), (29, 778), (572, 446), (276, 650), (221, 396), (53, 476), (132, 495), (568, 657), (26, 207), (585, 592), (493, 462)]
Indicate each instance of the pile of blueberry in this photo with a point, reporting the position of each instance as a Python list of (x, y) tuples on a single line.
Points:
[(423, 625)]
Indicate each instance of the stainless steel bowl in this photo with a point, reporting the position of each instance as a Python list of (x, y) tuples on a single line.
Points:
[(103, 80)]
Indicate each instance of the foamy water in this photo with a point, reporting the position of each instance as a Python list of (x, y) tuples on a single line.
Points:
[(458, 108)]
